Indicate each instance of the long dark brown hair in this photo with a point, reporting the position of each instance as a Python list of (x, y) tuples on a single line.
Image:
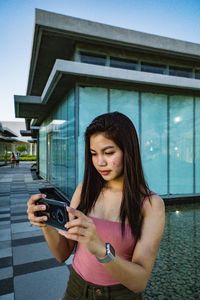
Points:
[(119, 128)]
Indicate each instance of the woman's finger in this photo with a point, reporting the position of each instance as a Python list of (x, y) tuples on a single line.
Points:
[(81, 222), (38, 224), (34, 198), (77, 213)]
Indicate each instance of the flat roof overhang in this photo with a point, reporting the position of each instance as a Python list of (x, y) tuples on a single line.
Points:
[(28, 107), (7, 139), (25, 132), (33, 132), (32, 141), (56, 35), (65, 74), (8, 132)]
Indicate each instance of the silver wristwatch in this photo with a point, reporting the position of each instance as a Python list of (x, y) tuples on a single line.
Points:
[(110, 254)]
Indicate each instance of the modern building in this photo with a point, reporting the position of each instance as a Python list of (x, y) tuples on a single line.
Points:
[(18, 128), (80, 69), (11, 139), (8, 139)]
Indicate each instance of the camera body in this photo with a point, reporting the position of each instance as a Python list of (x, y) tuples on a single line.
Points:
[(55, 211)]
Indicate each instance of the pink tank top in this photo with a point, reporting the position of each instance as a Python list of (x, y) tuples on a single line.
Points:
[(86, 264)]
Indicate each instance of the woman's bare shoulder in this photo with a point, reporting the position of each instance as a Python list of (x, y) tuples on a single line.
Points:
[(153, 203), (76, 196)]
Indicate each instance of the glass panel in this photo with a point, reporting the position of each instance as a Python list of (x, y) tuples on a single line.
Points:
[(70, 161), (197, 145), (123, 63), (92, 102), (57, 147), (126, 102), (181, 145), (197, 74), (153, 68), (182, 72), (43, 151), (154, 140), (95, 59)]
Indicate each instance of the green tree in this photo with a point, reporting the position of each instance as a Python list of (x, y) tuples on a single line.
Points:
[(21, 148)]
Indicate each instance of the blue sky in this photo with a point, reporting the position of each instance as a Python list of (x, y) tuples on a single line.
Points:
[(178, 19)]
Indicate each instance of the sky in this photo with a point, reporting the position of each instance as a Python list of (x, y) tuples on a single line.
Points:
[(178, 19)]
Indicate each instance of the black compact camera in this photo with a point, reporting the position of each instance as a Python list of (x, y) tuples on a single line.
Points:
[(55, 211)]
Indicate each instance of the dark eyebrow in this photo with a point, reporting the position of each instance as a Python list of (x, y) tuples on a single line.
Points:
[(104, 149)]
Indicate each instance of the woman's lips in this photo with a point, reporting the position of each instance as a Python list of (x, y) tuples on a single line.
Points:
[(104, 173)]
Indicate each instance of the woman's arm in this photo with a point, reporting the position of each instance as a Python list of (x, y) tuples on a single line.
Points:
[(135, 274), (59, 246)]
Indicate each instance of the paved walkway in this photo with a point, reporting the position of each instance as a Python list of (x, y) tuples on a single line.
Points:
[(27, 268)]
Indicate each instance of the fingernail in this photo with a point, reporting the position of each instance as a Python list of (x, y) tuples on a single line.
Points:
[(44, 196)]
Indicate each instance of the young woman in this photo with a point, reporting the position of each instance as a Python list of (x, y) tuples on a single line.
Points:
[(12, 159), (116, 222)]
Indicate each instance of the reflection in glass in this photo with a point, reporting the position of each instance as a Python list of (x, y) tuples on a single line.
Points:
[(92, 102), (181, 145), (57, 147), (126, 102), (154, 140)]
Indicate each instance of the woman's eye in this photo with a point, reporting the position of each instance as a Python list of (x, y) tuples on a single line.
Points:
[(109, 153), (93, 154)]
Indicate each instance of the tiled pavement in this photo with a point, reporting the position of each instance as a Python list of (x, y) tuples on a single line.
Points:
[(27, 268)]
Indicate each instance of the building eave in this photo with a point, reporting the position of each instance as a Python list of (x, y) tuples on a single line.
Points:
[(68, 30), (74, 71), (28, 107)]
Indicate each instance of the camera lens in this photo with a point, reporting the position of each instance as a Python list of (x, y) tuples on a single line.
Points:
[(53, 214), (60, 216)]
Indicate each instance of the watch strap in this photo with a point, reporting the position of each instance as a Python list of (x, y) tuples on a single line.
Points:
[(110, 254)]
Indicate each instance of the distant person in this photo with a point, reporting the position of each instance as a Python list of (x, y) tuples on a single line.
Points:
[(12, 159), (17, 156)]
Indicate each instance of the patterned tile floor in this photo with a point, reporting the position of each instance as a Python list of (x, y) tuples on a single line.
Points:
[(27, 268)]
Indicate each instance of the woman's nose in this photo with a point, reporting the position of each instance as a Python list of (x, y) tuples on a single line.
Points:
[(101, 161)]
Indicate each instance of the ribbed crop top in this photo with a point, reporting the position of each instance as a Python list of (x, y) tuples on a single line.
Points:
[(86, 264)]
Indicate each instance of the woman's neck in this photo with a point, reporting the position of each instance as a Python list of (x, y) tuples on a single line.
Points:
[(116, 184)]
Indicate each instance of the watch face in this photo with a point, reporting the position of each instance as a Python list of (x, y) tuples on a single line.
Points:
[(110, 249), (110, 254)]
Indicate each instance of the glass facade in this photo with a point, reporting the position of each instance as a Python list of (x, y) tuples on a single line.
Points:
[(57, 146), (168, 128), (165, 126)]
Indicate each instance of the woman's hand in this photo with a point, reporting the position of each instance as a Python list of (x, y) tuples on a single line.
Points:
[(82, 229), (33, 208)]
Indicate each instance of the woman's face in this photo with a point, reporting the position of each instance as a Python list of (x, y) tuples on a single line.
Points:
[(107, 157)]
